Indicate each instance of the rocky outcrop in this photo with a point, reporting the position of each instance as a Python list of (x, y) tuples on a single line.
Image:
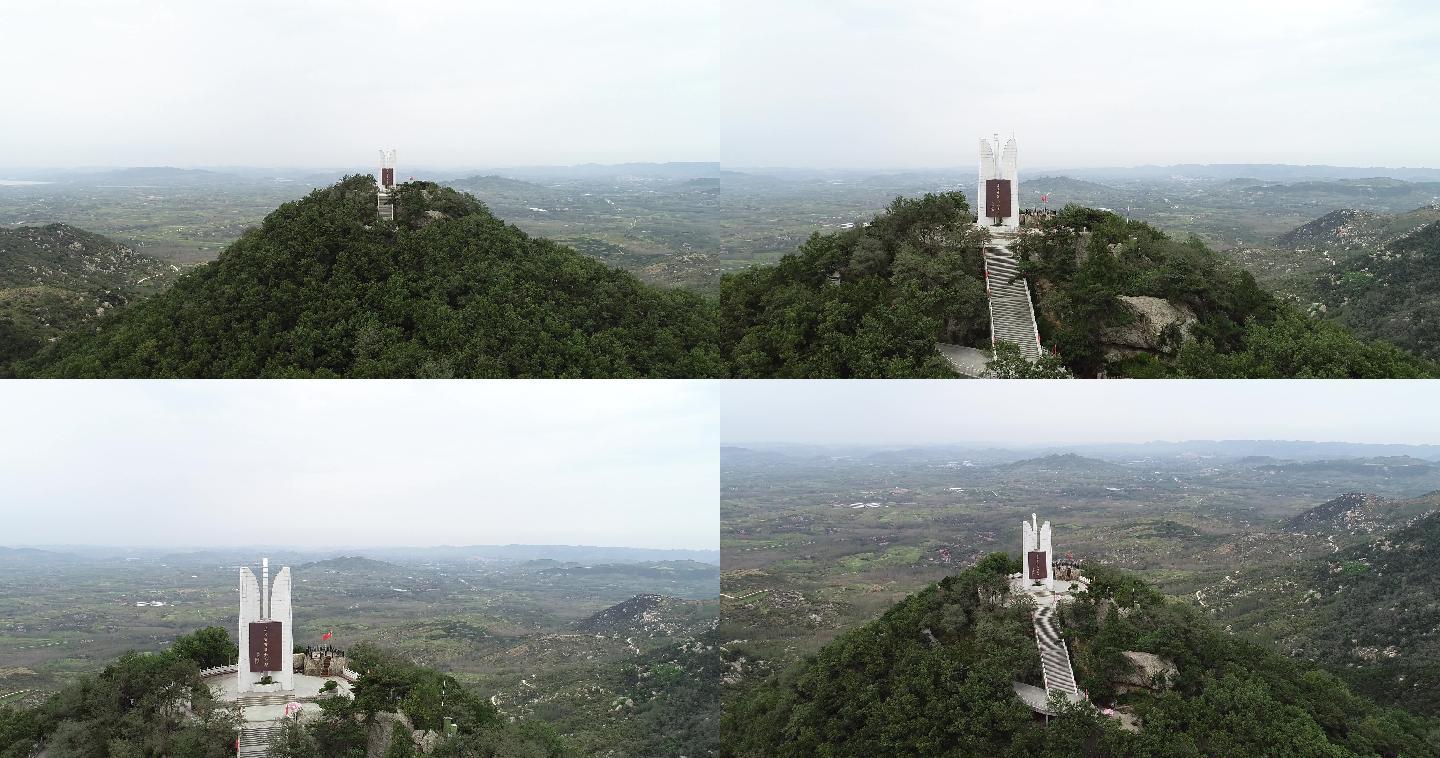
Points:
[(1155, 326), (1148, 672), (382, 730)]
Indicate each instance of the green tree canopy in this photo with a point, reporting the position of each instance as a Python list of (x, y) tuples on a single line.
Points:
[(323, 288), (932, 677)]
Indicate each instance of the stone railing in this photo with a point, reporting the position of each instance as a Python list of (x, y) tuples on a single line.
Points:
[(218, 670), (348, 674)]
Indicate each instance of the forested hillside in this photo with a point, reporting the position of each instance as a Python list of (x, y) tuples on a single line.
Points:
[(1112, 296), (933, 677), (1370, 612), (1393, 293), (1092, 271), (129, 709), (324, 288), (155, 704), (57, 278), (862, 303), (392, 688)]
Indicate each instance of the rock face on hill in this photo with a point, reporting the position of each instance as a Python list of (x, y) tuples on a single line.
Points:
[(1156, 326), (325, 288)]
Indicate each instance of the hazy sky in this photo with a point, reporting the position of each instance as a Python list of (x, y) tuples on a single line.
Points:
[(867, 83), (1072, 412), (806, 83), (377, 463), (327, 82)]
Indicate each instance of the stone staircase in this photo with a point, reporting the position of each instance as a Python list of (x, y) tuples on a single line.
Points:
[(385, 208), (1054, 656), (255, 738), (1012, 316), (262, 699)]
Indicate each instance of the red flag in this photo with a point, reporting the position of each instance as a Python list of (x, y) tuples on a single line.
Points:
[(326, 636), (1045, 198)]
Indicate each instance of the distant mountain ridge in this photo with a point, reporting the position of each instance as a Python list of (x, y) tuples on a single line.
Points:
[(1394, 466), (564, 553), (30, 555), (1264, 171), (350, 564), (1276, 451), (1061, 462)]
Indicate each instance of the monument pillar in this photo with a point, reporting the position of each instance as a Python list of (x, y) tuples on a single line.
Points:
[(265, 633), (997, 196), (1036, 554)]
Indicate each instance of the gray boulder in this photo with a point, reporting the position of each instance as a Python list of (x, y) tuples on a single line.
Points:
[(1156, 326)]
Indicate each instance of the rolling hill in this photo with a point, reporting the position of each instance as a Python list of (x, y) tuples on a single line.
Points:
[(652, 616), (351, 564), (1061, 463), (933, 677), (1391, 292), (1351, 513), (1369, 611), (1348, 231), (323, 288), (58, 278)]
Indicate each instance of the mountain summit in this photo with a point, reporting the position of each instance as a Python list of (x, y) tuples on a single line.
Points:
[(324, 288)]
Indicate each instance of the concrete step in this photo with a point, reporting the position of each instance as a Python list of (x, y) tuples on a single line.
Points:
[(1054, 655), (255, 737)]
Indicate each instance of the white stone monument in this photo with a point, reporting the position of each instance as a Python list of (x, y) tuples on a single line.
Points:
[(267, 636), (998, 193), (1036, 555)]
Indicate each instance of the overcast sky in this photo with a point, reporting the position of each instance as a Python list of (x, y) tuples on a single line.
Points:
[(328, 82), (631, 464), (876, 83), (804, 83), (1073, 412)]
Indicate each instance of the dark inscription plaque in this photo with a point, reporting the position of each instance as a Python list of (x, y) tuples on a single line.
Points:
[(997, 198), (265, 652), (1036, 559)]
